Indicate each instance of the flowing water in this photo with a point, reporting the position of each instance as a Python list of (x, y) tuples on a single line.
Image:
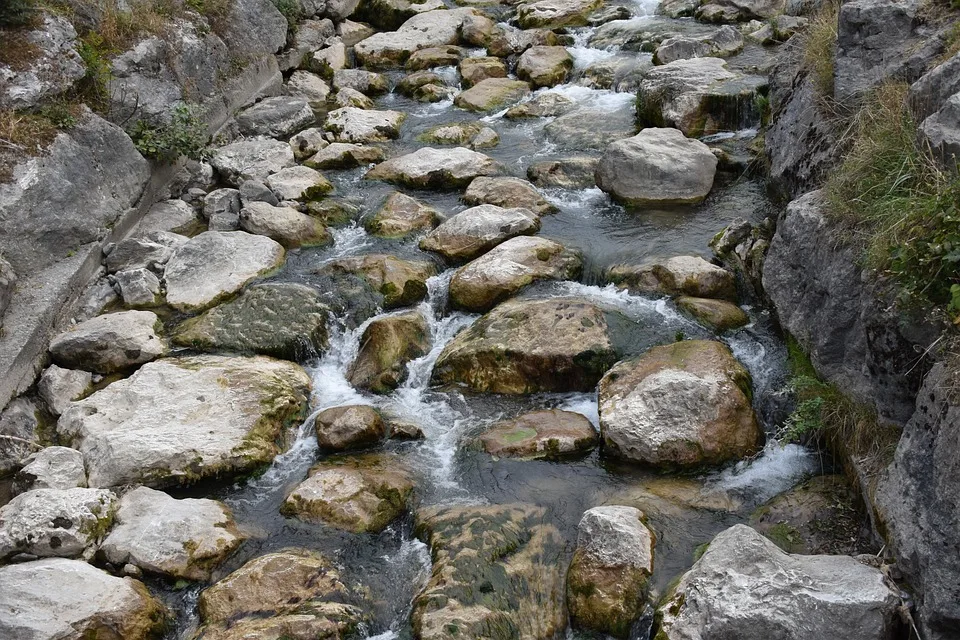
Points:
[(684, 511)]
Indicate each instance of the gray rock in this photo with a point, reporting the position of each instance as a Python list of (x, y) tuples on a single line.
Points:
[(941, 131), (608, 575), (177, 538), (173, 216), (387, 345), (53, 67), (388, 15), (366, 82), (428, 168), (425, 86), (216, 264), (298, 183), (549, 434), (59, 598), (340, 10), (349, 427), (268, 36), (657, 167), (545, 66), (400, 216), (330, 59), (180, 420), (400, 282), (553, 14), (424, 30), (282, 320), (308, 142), (256, 191), (567, 173), (645, 34), (57, 209), (678, 8), (350, 124), (8, 283), (931, 92), (55, 522), (19, 433), (149, 251), (307, 38), (744, 586), (506, 40), (351, 32), (138, 288), (726, 41), (311, 87), (431, 57), (58, 387), (739, 10), (544, 105), (51, 468), (506, 269), (587, 128), (343, 155), (474, 70), (918, 500), (286, 225), (110, 343), (507, 192), (221, 208), (251, 159), (476, 230), (277, 117), (351, 98), (679, 275), (492, 94), (477, 30), (621, 73)]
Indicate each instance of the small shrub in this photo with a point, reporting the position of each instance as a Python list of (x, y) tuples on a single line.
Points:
[(185, 135), (94, 86), (291, 10), (820, 44), (17, 13)]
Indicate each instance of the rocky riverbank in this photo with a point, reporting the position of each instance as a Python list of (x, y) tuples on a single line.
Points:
[(430, 342)]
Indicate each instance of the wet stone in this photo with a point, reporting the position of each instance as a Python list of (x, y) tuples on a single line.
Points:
[(567, 173), (541, 434), (474, 231), (400, 216), (679, 275), (386, 347), (342, 155), (400, 282), (509, 193), (492, 93), (349, 427), (718, 315)]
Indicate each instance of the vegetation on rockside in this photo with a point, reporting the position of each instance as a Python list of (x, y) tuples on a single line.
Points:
[(820, 41), (184, 135)]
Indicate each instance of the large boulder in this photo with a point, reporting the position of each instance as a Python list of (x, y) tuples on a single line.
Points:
[(547, 434), (391, 14), (745, 587), (424, 30), (292, 593), (554, 14), (110, 343), (495, 574), (474, 231), (739, 10), (59, 598), (685, 404), (545, 66), (528, 346), (657, 167), (195, 537), (400, 282), (507, 192), (180, 420), (284, 320), (607, 579), (276, 117), (679, 275), (508, 268), (355, 426), (350, 124), (216, 264), (285, 225), (725, 41), (55, 522), (360, 494), (400, 215), (251, 159), (45, 60), (429, 168), (699, 96), (492, 93), (592, 128), (386, 346)]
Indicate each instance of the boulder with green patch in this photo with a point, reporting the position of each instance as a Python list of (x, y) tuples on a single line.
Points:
[(719, 315), (492, 93), (401, 282), (548, 434), (388, 344), (400, 215)]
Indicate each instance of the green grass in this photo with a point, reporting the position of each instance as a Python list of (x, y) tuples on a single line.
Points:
[(820, 44)]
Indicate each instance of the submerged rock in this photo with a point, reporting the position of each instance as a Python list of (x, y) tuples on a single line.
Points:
[(541, 434), (718, 315), (55, 522), (349, 427), (607, 580), (400, 216), (507, 192), (284, 320), (657, 167), (492, 93), (679, 275), (495, 574), (110, 343), (745, 587), (387, 345), (179, 538), (475, 231), (429, 168), (59, 598), (685, 404), (400, 282), (180, 420), (508, 268), (215, 265), (360, 494), (529, 346)]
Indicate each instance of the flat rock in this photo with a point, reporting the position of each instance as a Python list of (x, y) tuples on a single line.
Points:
[(566, 173), (110, 343), (476, 230), (299, 183), (588, 128), (284, 320), (285, 225), (174, 216), (492, 93), (179, 420), (446, 56), (59, 598), (553, 14), (400, 216), (217, 264), (387, 345), (529, 346), (391, 14), (455, 133), (545, 66), (541, 434), (524, 598), (430, 29), (724, 42), (350, 124), (342, 155), (400, 282), (277, 117), (657, 167), (507, 192), (607, 580), (178, 538), (679, 275), (506, 269), (685, 404), (55, 522), (474, 70), (349, 427), (360, 494), (51, 468), (366, 82), (543, 105), (441, 169), (745, 587), (251, 159), (719, 315)]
